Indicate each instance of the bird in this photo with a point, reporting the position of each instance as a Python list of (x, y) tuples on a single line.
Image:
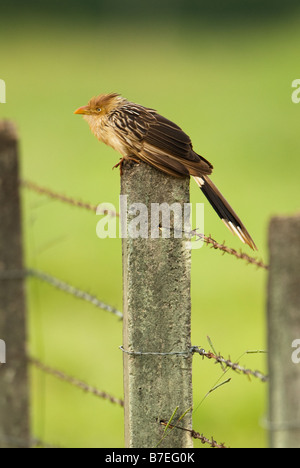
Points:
[(140, 133)]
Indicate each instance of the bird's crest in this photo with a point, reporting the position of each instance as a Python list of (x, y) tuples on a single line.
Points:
[(104, 100)]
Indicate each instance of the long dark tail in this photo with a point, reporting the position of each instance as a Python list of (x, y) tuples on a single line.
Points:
[(224, 210)]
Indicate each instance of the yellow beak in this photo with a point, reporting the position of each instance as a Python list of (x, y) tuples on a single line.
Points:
[(82, 110)]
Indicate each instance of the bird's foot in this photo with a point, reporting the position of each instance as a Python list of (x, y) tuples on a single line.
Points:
[(120, 164), (122, 161)]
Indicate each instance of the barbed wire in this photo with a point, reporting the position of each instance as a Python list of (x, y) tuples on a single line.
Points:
[(195, 435), (63, 198), (208, 240), (74, 381), (89, 389), (62, 286), (235, 366), (18, 274), (88, 206)]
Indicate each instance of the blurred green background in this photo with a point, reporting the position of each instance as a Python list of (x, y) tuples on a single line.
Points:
[(223, 72)]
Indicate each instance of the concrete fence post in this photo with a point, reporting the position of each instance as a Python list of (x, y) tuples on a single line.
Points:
[(284, 332), (157, 312), (14, 389)]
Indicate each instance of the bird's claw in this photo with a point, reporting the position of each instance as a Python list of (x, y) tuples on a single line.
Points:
[(122, 161)]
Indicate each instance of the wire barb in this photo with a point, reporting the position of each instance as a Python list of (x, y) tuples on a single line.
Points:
[(90, 207), (62, 286), (195, 435), (239, 255), (6, 275), (195, 349), (225, 363), (228, 363), (75, 382), (63, 198)]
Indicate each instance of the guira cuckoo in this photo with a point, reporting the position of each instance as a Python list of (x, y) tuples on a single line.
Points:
[(141, 134)]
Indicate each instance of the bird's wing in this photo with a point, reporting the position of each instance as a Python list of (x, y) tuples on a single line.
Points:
[(158, 141)]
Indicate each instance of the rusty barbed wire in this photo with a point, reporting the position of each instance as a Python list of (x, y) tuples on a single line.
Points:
[(74, 381), (235, 366), (205, 440), (239, 255), (63, 198), (208, 240), (195, 435), (88, 206), (195, 349)]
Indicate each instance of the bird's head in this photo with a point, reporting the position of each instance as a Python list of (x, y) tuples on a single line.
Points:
[(100, 105)]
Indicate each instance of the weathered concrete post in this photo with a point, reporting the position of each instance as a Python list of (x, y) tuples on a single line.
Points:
[(14, 388), (157, 314), (284, 332)]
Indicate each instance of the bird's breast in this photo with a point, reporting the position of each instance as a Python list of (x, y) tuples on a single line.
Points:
[(103, 131), (113, 140)]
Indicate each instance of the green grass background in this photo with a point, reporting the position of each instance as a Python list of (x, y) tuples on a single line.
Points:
[(229, 87)]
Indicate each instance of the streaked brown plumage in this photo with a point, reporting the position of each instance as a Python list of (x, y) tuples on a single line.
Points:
[(140, 133)]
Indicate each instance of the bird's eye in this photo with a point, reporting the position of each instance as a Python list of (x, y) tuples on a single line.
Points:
[(98, 109)]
